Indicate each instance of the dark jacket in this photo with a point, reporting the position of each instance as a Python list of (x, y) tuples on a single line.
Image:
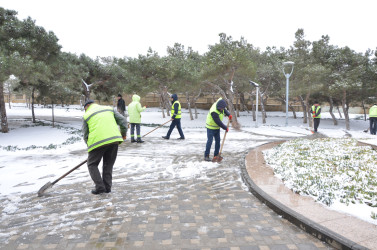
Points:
[(121, 105)]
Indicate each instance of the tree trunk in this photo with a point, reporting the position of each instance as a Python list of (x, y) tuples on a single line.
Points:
[(86, 90), (165, 99), (168, 105), (9, 96), (262, 108), (189, 105), (237, 106), (32, 105), (53, 116), (308, 108), (243, 103), (345, 109), (331, 113), (364, 109), (3, 113), (162, 105), (293, 110), (340, 114), (194, 103), (303, 106)]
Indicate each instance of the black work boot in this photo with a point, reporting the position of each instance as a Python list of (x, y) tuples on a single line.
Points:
[(206, 158), (98, 191), (139, 140), (165, 137), (133, 140)]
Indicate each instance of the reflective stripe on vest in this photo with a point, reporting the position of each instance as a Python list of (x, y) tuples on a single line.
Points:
[(103, 128), (210, 123), (179, 115), (315, 110)]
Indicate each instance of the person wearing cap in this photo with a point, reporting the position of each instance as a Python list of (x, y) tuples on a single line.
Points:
[(316, 113), (134, 111), (373, 119), (121, 105), (102, 136), (213, 125), (175, 118)]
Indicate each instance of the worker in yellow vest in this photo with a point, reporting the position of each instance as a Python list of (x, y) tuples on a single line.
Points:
[(213, 124), (316, 113), (102, 135), (175, 118), (373, 119)]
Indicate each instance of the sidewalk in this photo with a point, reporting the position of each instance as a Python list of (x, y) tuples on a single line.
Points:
[(339, 230), (152, 210)]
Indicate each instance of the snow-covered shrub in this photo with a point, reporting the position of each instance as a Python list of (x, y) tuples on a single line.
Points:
[(327, 169)]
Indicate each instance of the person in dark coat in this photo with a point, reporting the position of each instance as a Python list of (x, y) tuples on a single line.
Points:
[(121, 105), (175, 118)]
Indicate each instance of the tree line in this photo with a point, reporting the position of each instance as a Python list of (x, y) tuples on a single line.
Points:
[(322, 71)]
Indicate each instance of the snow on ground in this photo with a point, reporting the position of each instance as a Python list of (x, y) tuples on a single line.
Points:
[(41, 153), (333, 171)]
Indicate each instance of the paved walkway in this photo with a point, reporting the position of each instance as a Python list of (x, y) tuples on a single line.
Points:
[(214, 210), (338, 229)]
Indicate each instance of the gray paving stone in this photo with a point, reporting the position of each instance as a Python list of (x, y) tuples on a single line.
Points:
[(189, 234), (233, 217), (241, 232), (187, 219), (216, 233), (135, 236), (162, 236)]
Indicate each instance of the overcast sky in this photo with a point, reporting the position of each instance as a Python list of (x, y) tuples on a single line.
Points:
[(128, 28)]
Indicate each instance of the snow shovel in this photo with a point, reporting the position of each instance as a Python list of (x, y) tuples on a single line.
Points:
[(218, 157), (156, 128), (49, 184)]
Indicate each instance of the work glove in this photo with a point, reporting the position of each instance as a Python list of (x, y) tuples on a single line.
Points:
[(313, 116), (227, 129), (124, 137), (230, 117)]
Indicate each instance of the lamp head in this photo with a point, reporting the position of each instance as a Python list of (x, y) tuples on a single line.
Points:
[(288, 63), (254, 84)]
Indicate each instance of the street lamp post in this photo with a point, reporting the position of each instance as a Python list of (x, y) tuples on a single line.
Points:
[(256, 102), (287, 75)]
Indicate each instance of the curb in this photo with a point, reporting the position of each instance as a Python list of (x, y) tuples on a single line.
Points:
[(322, 233)]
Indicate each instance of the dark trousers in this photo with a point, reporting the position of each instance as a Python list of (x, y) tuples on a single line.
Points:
[(176, 122), (109, 155), (373, 125), (316, 123), (212, 133), (137, 125)]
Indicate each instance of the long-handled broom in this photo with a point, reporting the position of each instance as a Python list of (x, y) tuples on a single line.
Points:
[(156, 128), (218, 158)]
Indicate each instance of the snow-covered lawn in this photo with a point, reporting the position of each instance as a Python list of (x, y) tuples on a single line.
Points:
[(335, 171)]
